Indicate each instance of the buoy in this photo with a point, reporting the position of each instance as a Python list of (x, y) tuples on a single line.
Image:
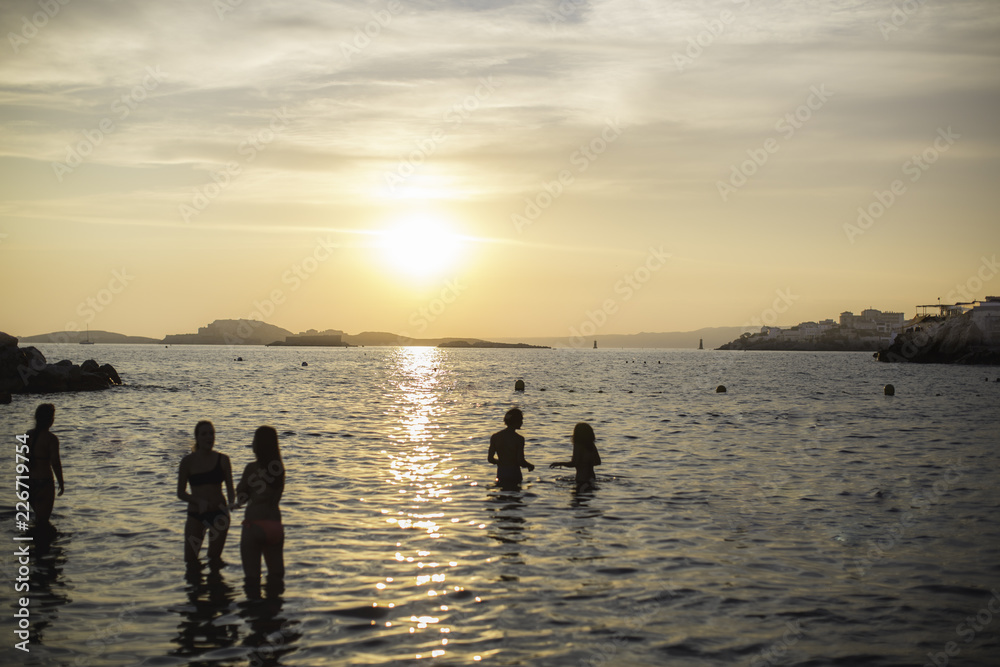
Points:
[(519, 385), (305, 363), (721, 389), (239, 358), (889, 390)]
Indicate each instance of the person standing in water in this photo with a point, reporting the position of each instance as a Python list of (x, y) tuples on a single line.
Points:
[(507, 450), (207, 510), (260, 490), (585, 457), (43, 461)]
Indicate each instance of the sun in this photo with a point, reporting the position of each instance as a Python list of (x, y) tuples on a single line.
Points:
[(421, 247)]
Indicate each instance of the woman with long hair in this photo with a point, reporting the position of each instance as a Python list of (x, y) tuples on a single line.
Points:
[(208, 511), (263, 535), (585, 457)]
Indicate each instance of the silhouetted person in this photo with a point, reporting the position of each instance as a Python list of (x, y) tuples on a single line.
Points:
[(207, 510), (585, 457), (43, 461), (263, 535), (507, 450)]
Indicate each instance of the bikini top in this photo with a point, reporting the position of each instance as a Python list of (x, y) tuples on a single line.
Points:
[(213, 476)]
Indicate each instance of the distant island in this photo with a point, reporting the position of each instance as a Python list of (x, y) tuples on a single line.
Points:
[(871, 331), (255, 332), (102, 337)]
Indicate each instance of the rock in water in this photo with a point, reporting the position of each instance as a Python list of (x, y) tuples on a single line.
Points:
[(25, 371)]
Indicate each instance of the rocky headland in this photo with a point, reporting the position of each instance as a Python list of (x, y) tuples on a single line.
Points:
[(24, 370), (937, 340)]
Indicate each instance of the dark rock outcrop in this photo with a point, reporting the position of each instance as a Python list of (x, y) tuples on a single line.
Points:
[(25, 371), (955, 340)]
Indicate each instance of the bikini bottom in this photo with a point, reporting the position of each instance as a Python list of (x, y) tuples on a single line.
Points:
[(274, 532), (208, 518)]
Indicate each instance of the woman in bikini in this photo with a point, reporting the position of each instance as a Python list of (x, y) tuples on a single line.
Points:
[(585, 457), (205, 471), (260, 490), (43, 460)]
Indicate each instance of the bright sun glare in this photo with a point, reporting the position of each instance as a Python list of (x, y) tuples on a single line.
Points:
[(421, 247)]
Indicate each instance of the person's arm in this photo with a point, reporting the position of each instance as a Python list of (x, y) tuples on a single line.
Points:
[(57, 463), (491, 456), (227, 468), (182, 480), (242, 489), (524, 462), (566, 464)]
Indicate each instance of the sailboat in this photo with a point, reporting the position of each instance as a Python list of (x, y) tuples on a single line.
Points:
[(701, 344), (595, 344), (87, 341)]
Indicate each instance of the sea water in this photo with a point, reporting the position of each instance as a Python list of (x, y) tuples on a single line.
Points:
[(800, 518)]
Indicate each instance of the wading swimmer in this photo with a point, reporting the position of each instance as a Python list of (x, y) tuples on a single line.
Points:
[(585, 457), (43, 461), (507, 451), (260, 489), (208, 511)]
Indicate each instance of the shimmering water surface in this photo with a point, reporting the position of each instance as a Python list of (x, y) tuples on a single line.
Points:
[(800, 518)]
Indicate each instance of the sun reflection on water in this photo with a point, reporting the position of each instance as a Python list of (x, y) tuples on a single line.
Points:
[(421, 469)]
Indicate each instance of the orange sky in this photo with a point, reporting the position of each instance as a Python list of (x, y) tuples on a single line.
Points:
[(493, 169)]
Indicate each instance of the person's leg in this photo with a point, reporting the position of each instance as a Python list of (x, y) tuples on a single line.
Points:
[(217, 534), (42, 499), (274, 556), (251, 543), (194, 534)]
